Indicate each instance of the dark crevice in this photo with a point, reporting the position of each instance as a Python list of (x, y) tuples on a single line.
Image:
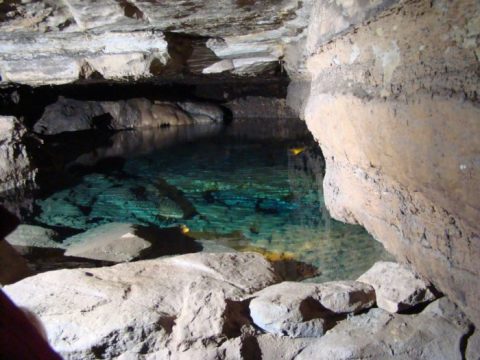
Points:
[(464, 341), (131, 10)]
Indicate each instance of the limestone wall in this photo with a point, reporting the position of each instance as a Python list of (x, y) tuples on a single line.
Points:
[(394, 106)]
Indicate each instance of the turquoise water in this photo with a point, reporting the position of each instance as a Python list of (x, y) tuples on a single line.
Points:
[(250, 195)]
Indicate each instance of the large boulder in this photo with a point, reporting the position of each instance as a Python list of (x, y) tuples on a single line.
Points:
[(397, 287), (306, 310), (393, 104), (147, 307), (430, 335)]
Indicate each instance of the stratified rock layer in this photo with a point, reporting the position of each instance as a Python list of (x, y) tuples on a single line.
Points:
[(15, 168), (394, 108)]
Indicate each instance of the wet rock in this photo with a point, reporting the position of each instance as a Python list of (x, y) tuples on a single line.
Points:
[(381, 335), (136, 308), (15, 168), (306, 310), (397, 287), (202, 112), (33, 236), (73, 115), (110, 242), (120, 242)]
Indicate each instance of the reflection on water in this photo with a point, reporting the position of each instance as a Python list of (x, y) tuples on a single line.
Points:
[(250, 195)]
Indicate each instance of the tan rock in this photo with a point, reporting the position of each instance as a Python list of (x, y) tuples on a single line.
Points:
[(386, 108)]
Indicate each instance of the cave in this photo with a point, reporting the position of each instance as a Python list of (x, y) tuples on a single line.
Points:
[(239, 179)]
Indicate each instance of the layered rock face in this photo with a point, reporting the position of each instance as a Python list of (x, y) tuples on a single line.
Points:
[(393, 104), (15, 168), (51, 42)]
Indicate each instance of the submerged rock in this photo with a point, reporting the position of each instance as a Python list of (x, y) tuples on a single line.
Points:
[(397, 287), (33, 236), (148, 307), (120, 242), (306, 310)]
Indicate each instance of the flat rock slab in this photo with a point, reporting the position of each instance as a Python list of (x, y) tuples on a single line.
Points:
[(121, 242), (304, 310), (379, 335), (110, 242), (34, 236), (397, 287), (185, 301)]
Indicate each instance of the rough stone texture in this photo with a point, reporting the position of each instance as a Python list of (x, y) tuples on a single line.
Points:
[(397, 287), (304, 310), (281, 348), (33, 236), (473, 347), (110, 242), (183, 305), (380, 335), (15, 169), (259, 107), (394, 107), (73, 115), (51, 42)]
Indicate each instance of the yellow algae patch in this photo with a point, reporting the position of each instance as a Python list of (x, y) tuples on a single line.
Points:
[(296, 151)]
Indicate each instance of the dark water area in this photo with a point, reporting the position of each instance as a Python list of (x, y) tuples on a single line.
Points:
[(249, 186)]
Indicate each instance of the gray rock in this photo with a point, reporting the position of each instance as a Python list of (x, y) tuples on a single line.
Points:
[(200, 111), (72, 115), (145, 307), (303, 309), (59, 42), (397, 287), (281, 348), (33, 236), (115, 242), (473, 347), (381, 335), (15, 168)]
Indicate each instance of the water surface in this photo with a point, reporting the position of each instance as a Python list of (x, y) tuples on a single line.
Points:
[(250, 194)]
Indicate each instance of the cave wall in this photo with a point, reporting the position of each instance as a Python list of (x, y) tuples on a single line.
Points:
[(389, 88), (393, 103)]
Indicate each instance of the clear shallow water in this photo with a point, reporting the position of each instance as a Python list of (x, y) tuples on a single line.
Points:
[(248, 195)]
